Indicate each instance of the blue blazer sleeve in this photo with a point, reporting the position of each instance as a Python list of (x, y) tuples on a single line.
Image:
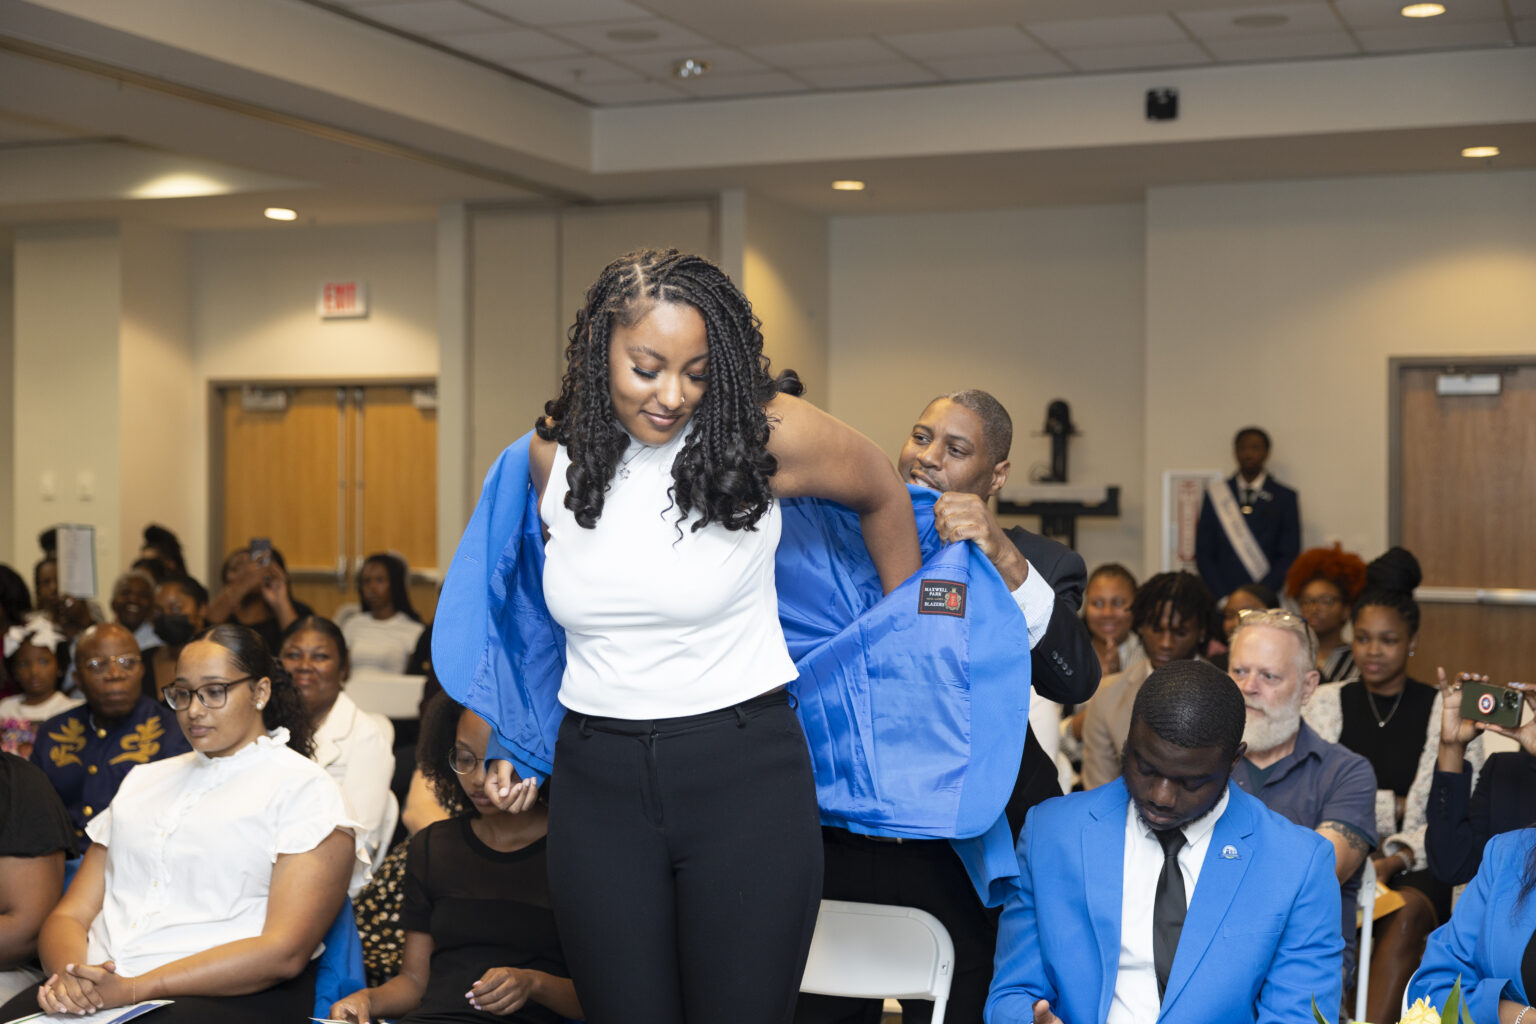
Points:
[(1307, 964), (1485, 938), (1019, 977)]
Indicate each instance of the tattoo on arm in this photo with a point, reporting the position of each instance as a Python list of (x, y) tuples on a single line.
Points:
[(1349, 835)]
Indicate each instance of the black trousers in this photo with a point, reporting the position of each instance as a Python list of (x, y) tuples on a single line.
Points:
[(289, 1000), (685, 864)]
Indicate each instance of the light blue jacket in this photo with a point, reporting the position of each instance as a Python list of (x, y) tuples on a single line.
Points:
[(915, 719)]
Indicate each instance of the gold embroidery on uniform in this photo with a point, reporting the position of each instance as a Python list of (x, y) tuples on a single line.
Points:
[(68, 742), (142, 744)]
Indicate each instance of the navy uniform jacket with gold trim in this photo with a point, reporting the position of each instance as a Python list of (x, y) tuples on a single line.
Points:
[(87, 764)]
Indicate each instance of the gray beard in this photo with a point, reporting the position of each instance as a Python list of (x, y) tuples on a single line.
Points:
[(1267, 733)]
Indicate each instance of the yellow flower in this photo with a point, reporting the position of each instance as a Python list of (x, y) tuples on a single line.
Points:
[(1421, 1013)]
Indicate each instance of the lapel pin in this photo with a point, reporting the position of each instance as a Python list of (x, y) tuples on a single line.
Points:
[(1229, 853)]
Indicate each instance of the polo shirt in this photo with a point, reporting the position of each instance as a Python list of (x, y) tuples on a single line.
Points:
[(86, 763), (1316, 782)]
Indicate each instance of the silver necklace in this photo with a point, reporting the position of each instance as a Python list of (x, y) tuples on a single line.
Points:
[(624, 462), (1381, 723)]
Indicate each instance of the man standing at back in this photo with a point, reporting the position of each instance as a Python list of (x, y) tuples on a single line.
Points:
[(1250, 524), (959, 447), (1169, 894)]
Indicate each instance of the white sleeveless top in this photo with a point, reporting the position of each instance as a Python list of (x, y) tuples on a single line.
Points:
[(657, 625)]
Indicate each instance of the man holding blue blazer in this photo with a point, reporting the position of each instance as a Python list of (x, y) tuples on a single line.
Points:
[(1169, 894)]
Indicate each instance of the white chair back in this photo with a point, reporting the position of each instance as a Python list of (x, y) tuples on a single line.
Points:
[(1367, 904), (873, 951)]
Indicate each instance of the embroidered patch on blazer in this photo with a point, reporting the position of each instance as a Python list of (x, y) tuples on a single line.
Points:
[(941, 597)]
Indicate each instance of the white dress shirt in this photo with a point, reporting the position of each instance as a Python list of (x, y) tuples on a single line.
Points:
[(191, 841), (355, 747), (56, 704), (1136, 1000)]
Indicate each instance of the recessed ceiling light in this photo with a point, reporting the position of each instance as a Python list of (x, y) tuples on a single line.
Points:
[(1423, 10), (848, 185), (1478, 152), (1260, 20), (633, 35), (279, 213), (688, 67)]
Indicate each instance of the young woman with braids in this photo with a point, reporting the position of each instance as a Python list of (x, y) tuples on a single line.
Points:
[(684, 840), (213, 875)]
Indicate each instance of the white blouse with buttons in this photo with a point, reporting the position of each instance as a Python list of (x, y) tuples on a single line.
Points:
[(191, 841)]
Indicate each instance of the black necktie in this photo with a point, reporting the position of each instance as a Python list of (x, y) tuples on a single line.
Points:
[(1168, 908), (1248, 496)]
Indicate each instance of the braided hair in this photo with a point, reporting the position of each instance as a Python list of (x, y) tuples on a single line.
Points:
[(1182, 594), (723, 470), (1389, 583)]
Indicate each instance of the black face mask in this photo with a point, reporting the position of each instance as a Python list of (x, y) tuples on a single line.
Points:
[(175, 630)]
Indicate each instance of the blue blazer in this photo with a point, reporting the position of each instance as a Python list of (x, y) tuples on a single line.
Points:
[(1275, 523), (915, 712), (1260, 943), (1485, 939)]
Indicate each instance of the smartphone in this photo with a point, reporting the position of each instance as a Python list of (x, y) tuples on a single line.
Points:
[(261, 550), (1496, 705)]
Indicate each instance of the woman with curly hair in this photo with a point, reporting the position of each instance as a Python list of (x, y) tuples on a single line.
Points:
[(480, 938), (1324, 583), (685, 847)]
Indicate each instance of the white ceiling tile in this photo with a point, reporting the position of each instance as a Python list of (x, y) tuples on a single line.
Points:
[(570, 72), (433, 17), (1525, 30), (623, 93), (1003, 65), (626, 36), (722, 61), (962, 42), (867, 76), (1300, 20), (1133, 31), (716, 86), (511, 44), (1434, 37), (824, 53), (1388, 13), (1127, 58), (1321, 44), (565, 12)]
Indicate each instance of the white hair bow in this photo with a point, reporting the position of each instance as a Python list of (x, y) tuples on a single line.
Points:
[(38, 632)]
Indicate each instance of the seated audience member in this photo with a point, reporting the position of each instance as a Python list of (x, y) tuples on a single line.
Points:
[(480, 938), (133, 605), (1489, 944), (352, 745), (87, 751), (35, 838), (1314, 783), (36, 656), (1324, 583), (1169, 894), (181, 612), (384, 634), (213, 875), (72, 615), (1250, 597), (15, 609), (1249, 529), (256, 593), (1107, 614), (1461, 817), (164, 547), (1170, 615)]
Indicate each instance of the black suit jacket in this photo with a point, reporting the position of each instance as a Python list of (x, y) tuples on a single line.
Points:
[(1459, 827), (1063, 665), (1275, 523)]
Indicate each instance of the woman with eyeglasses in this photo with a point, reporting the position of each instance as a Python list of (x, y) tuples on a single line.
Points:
[(1325, 583), (213, 875), (480, 938)]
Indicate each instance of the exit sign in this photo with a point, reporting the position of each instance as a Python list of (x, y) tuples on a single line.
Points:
[(342, 299)]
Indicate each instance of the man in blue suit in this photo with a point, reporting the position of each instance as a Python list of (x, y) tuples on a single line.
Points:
[(1169, 894), (1250, 524)]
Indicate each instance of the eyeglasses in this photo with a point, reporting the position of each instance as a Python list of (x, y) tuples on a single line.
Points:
[(1279, 618), (126, 662), (1320, 601), (463, 762), (211, 695)]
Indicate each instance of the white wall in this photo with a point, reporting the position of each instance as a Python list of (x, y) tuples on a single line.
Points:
[(785, 274), (1031, 305), (1280, 304), (67, 304)]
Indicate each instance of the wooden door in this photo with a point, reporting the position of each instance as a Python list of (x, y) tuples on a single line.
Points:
[(330, 474), (1466, 506)]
